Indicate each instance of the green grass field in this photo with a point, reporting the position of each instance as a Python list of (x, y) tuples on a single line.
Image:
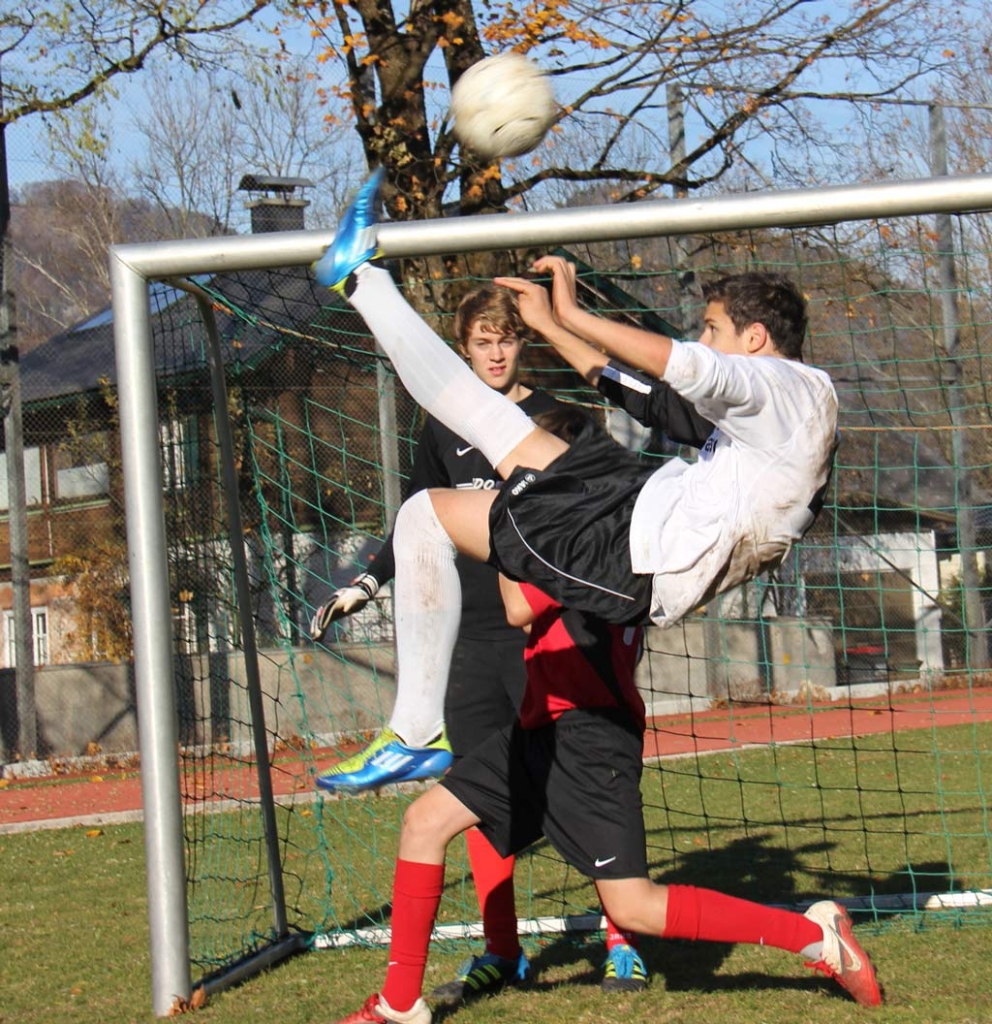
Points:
[(74, 944)]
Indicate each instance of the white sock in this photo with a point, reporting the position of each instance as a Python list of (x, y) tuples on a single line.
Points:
[(427, 608), (432, 372)]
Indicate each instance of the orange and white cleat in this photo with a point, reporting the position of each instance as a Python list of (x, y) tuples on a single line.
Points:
[(843, 958), (375, 1010)]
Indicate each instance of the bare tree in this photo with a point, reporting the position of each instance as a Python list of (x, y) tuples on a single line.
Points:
[(283, 130), (188, 145), (56, 60), (182, 153), (754, 78), (60, 231), (966, 97), (56, 55), (59, 276), (198, 135)]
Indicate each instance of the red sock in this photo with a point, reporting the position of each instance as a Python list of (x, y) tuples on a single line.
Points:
[(416, 895), (493, 876), (713, 917), (617, 936)]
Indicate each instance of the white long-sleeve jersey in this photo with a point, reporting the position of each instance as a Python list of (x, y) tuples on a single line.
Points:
[(703, 527)]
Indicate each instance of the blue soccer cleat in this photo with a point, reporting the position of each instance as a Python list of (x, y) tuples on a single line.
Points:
[(387, 759), (625, 970), (355, 240), (480, 975)]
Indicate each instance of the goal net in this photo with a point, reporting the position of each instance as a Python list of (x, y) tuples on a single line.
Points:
[(822, 732)]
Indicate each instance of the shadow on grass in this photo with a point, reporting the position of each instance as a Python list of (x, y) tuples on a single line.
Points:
[(751, 868)]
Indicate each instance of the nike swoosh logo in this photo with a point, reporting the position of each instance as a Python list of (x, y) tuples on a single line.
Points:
[(464, 451), (602, 863)]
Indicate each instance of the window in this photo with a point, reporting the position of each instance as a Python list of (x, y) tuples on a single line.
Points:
[(39, 629), (39, 621), (81, 467), (177, 439), (184, 627), (32, 478)]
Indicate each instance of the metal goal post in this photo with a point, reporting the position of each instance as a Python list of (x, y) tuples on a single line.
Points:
[(132, 267)]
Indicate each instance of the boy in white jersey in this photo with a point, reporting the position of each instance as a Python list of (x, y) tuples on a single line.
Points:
[(591, 524)]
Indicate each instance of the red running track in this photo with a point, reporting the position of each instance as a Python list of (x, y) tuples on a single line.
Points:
[(112, 794)]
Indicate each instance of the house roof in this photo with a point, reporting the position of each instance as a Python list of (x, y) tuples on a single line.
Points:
[(78, 359), (81, 359)]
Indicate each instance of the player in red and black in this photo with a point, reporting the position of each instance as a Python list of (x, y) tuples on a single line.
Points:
[(487, 677), (569, 769)]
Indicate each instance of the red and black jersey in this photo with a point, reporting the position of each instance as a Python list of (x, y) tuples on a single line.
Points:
[(575, 660)]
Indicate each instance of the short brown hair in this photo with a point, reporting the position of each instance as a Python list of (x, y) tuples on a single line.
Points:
[(496, 307), (769, 299)]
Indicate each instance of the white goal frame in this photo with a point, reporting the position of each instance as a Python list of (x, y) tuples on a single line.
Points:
[(132, 267)]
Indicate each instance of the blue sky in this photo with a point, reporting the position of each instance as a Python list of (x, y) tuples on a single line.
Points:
[(24, 140)]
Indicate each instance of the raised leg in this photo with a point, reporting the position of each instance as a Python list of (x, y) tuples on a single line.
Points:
[(435, 376)]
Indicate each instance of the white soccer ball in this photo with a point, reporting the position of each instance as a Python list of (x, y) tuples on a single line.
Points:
[(502, 106)]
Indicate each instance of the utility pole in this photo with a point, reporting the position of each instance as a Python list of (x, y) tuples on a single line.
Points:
[(10, 405), (974, 611), (675, 103)]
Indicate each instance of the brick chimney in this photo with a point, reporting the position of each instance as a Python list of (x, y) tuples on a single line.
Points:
[(274, 202)]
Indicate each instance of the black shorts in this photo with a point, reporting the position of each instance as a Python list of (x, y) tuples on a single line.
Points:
[(566, 529), (485, 688), (576, 781)]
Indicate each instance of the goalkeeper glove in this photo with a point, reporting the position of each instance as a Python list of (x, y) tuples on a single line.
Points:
[(346, 601)]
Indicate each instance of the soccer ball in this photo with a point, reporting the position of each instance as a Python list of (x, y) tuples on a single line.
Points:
[(502, 106)]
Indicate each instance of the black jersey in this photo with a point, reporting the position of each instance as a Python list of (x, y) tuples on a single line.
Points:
[(443, 459)]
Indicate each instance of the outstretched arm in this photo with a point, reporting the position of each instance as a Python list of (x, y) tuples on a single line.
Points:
[(641, 349), (535, 308)]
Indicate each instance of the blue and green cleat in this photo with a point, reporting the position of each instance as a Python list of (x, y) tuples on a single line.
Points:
[(625, 970), (387, 759), (480, 975), (355, 240)]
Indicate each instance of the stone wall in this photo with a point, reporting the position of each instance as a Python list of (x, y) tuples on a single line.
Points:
[(83, 708)]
